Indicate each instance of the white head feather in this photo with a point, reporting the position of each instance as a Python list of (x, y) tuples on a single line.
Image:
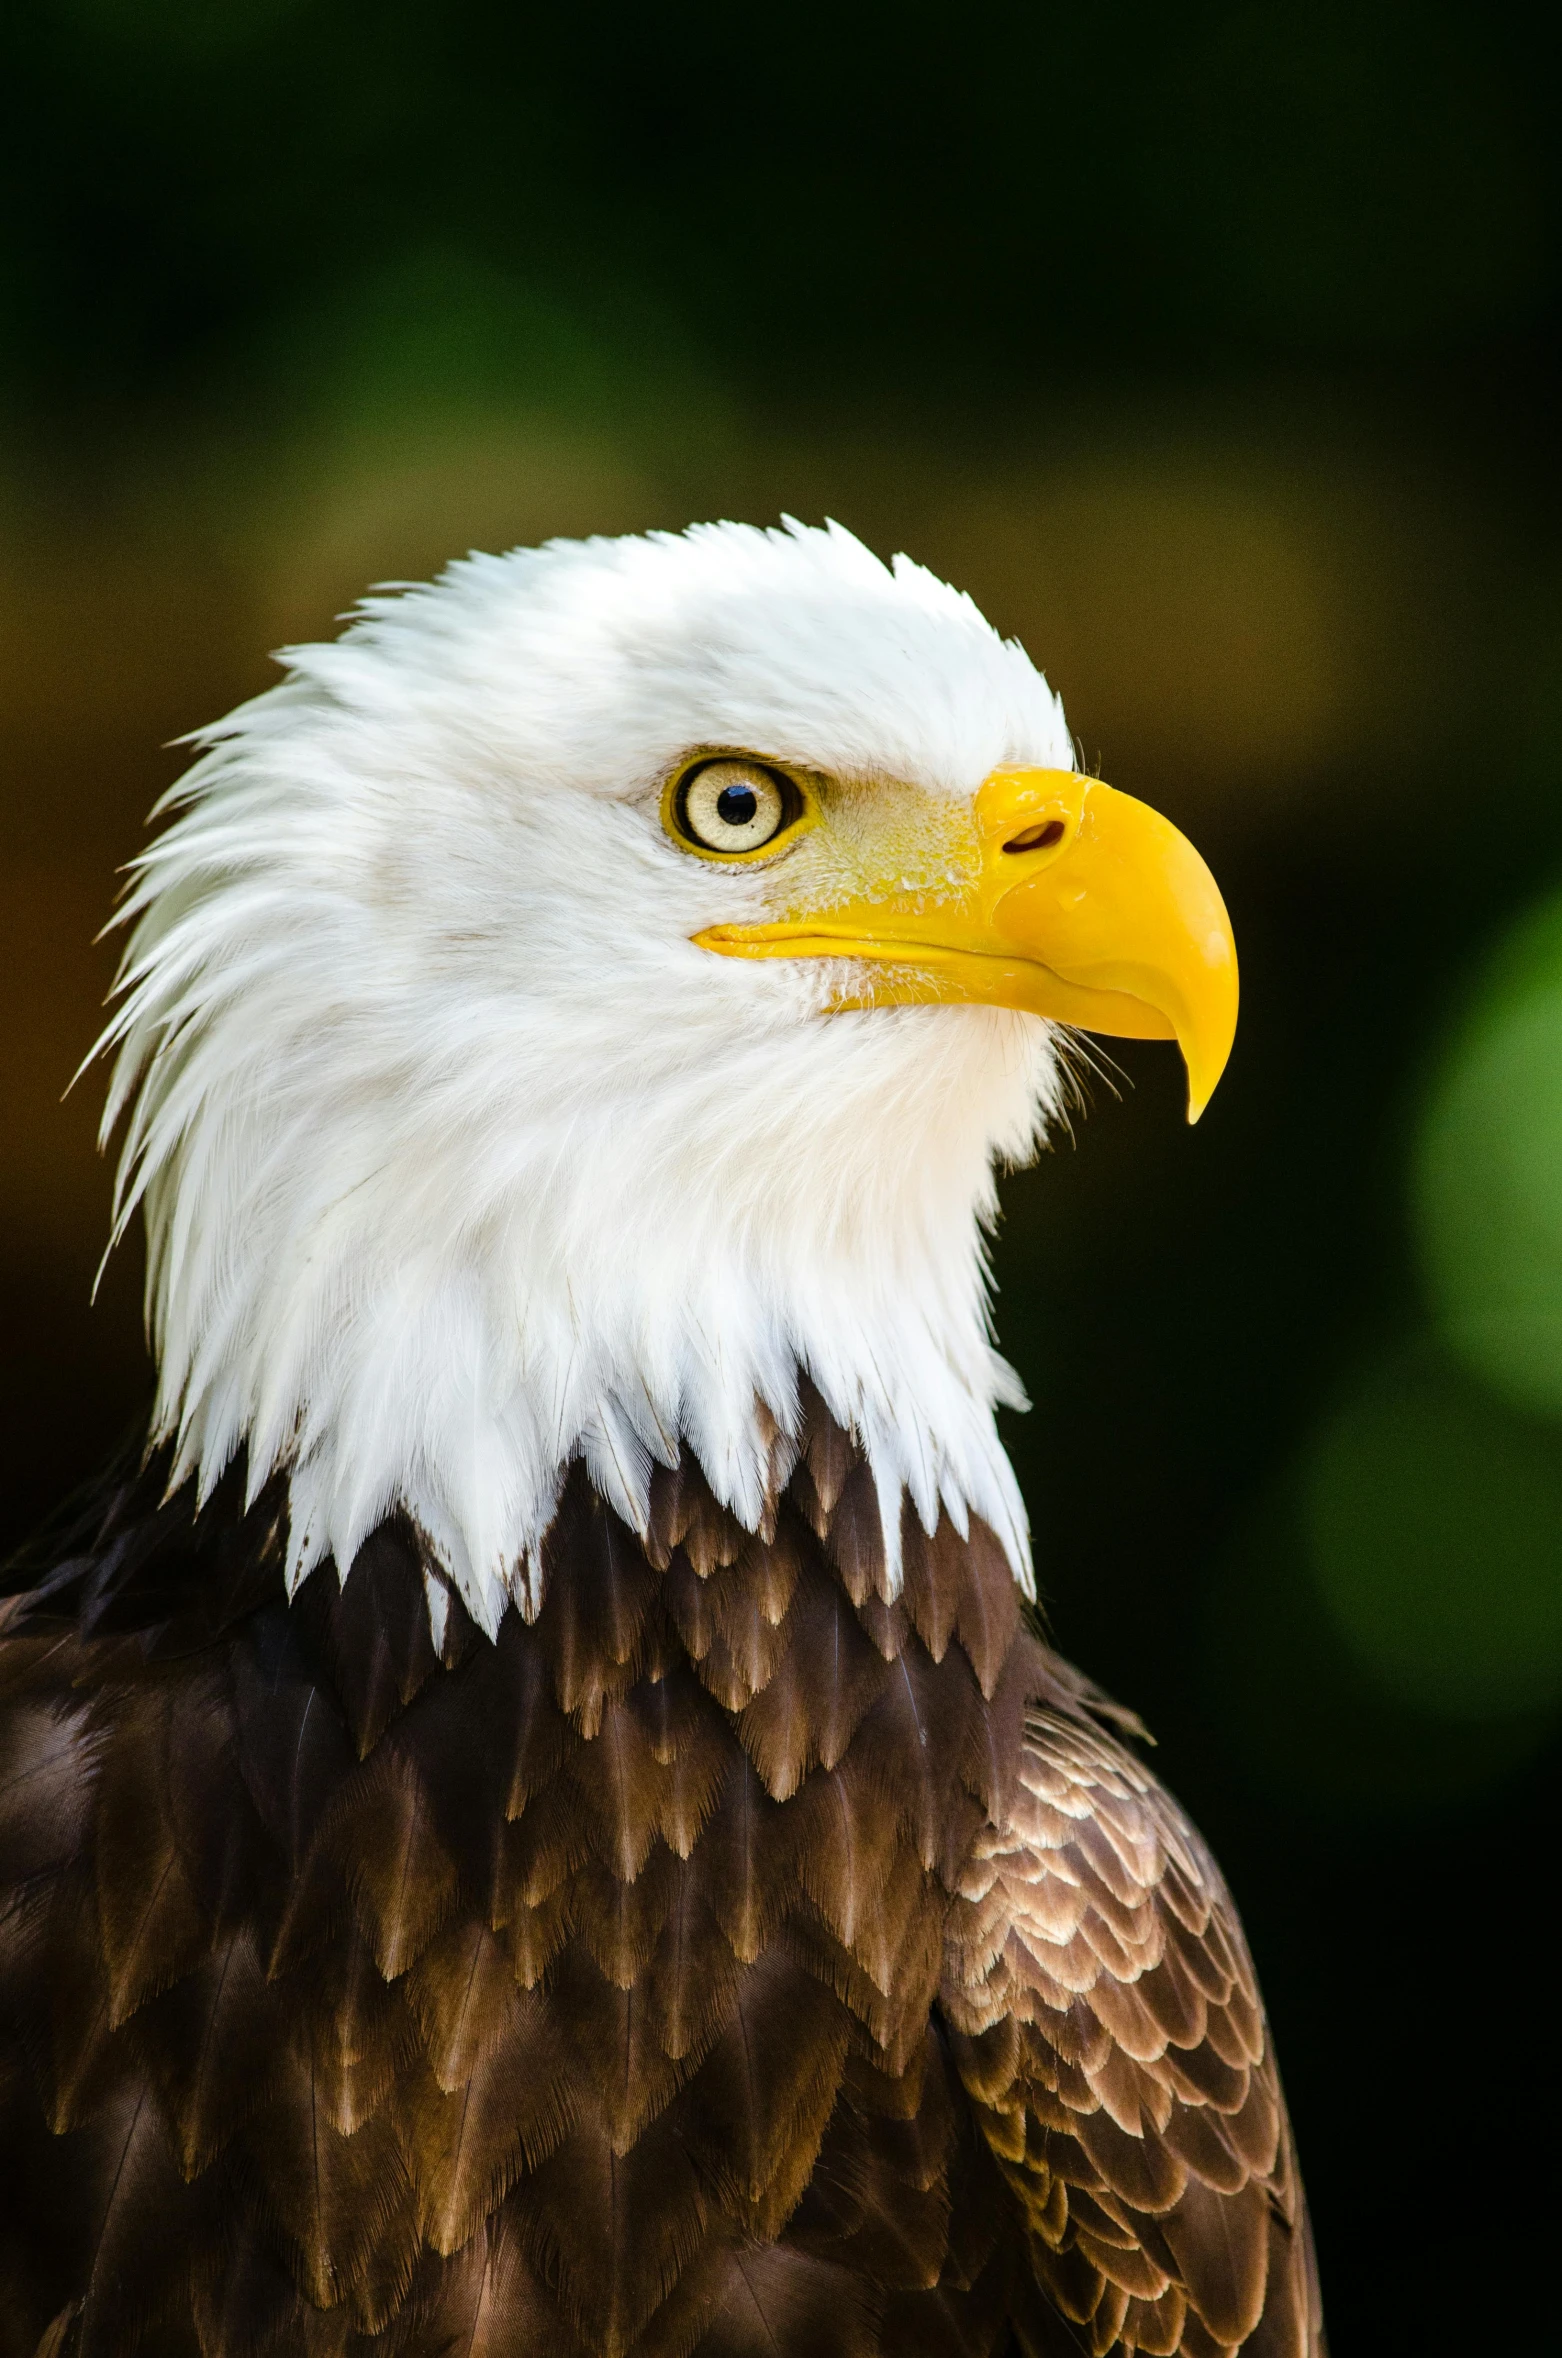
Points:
[(461, 1161)]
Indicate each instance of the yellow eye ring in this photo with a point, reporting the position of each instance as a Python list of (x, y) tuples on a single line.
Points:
[(734, 807)]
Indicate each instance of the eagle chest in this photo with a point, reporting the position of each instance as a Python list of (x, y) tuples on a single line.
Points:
[(570, 1990)]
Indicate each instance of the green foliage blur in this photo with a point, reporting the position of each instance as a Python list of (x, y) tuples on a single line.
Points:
[(1216, 352)]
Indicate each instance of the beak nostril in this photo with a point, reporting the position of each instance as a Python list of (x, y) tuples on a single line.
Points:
[(1036, 838)]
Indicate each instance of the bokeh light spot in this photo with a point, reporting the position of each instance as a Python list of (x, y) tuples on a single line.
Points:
[(1432, 1519), (1487, 1174), (1304, 1721)]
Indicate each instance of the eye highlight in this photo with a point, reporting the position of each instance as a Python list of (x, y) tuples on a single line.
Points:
[(733, 806)]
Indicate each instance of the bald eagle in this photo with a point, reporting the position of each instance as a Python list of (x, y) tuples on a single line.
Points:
[(534, 1815)]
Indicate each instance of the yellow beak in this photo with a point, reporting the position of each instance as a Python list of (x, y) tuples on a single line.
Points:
[(1087, 907)]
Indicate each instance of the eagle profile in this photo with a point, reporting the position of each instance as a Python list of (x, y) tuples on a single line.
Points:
[(534, 1817)]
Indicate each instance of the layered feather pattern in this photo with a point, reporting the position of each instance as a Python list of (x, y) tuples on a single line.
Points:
[(729, 1960)]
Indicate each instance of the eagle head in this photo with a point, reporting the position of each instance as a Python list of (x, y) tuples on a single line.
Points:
[(590, 998)]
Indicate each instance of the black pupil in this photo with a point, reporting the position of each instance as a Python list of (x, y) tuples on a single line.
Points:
[(736, 805)]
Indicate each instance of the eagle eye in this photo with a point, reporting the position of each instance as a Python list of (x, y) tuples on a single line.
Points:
[(731, 806)]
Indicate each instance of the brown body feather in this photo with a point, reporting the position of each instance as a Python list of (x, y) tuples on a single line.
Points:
[(726, 1962)]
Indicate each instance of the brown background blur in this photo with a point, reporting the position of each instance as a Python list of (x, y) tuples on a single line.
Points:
[(1215, 352)]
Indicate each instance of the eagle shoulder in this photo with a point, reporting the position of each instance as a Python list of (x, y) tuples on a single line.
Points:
[(1106, 2022)]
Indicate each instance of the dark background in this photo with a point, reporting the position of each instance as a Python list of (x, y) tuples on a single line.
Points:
[(1215, 350)]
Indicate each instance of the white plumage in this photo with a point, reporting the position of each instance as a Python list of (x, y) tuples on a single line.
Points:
[(460, 1160)]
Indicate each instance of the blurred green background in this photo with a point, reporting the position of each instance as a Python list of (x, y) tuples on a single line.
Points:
[(1215, 350)]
